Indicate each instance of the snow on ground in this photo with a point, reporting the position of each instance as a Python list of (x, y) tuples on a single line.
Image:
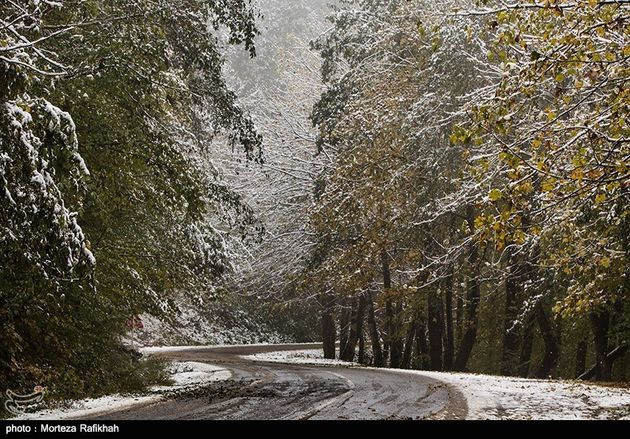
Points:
[(307, 356), (192, 374), (171, 349), (495, 397), (185, 375), (90, 407), (210, 324)]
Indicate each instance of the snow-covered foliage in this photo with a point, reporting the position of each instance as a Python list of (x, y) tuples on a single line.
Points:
[(134, 92), (481, 159), (222, 322), (278, 88), (40, 167)]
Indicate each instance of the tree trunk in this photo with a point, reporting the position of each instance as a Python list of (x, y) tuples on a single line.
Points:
[(344, 324), (385, 351), (449, 350), (406, 358), (361, 358), (435, 325), (393, 343), (389, 312), (615, 354), (580, 358), (375, 338), (347, 318), (459, 319), (509, 354), (473, 298), (329, 331), (552, 348), (527, 344), (422, 356), (600, 323), (356, 327), (397, 347), (389, 324)]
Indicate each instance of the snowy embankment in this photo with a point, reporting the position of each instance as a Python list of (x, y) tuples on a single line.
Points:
[(495, 397), (150, 350), (307, 357), (208, 325), (185, 375)]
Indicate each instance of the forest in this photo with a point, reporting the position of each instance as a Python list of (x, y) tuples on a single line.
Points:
[(429, 184), (475, 216)]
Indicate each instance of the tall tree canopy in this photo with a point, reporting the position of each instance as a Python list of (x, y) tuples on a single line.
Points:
[(142, 92), (482, 160)]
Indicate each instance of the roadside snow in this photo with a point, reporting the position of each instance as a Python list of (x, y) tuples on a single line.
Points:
[(185, 375), (90, 407), (192, 374), (495, 397), (210, 324), (307, 356), (172, 349)]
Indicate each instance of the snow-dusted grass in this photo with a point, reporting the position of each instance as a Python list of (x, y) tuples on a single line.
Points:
[(184, 375), (495, 397), (307, 356)]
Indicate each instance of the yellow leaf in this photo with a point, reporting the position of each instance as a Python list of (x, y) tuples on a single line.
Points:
[(600, 198), (519, 237), (500, 244), (548, 185), (495, 195), (525, 188), (577, 174)]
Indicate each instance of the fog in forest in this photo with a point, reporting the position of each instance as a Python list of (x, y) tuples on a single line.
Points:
[(439, 187)]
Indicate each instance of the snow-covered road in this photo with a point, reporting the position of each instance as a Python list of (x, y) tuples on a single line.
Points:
[(496, 397), (267, 390), (294, 382)]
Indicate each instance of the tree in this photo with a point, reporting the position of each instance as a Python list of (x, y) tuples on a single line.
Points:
[(142, 112), (555, 133), (507, 119)]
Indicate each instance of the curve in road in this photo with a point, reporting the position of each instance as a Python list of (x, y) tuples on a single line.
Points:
[(275, 391)]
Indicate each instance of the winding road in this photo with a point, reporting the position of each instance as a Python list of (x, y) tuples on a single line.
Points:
[(274, 391)]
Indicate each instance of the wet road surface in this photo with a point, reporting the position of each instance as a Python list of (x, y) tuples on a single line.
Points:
[(273, 391)]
